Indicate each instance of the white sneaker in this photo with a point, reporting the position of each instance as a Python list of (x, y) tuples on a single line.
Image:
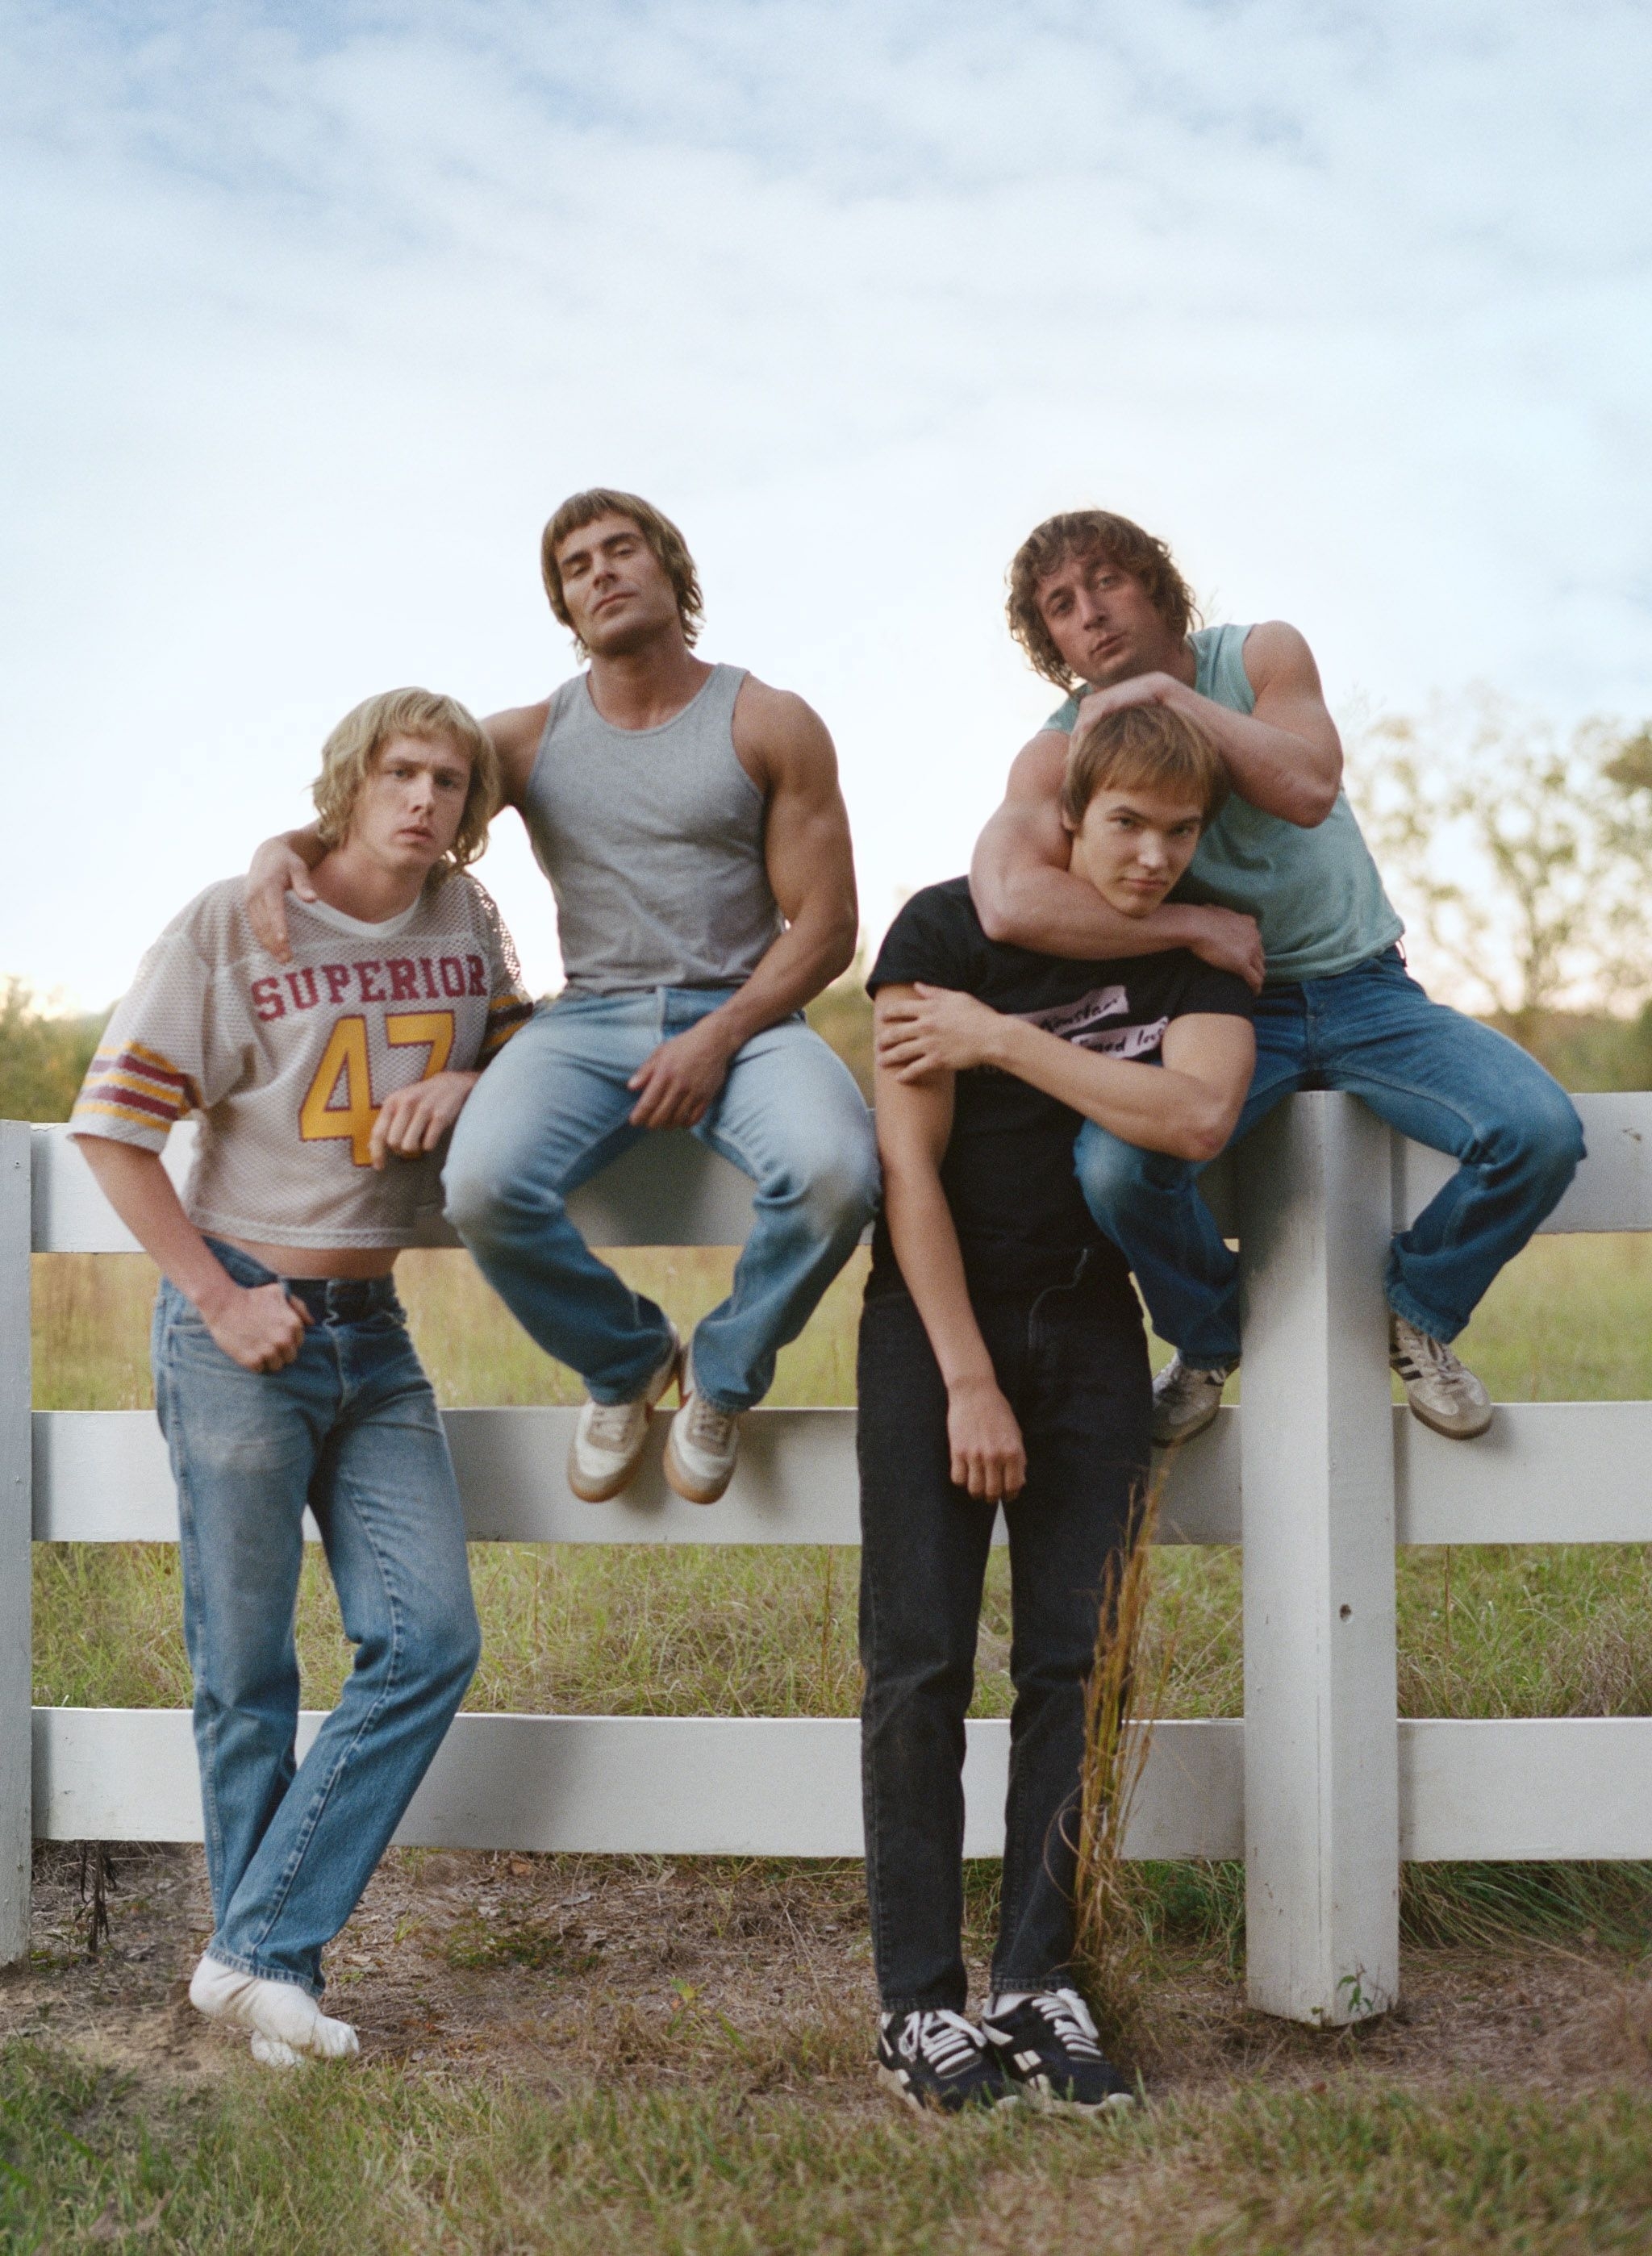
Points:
[(702, 1447), (1442, 1391), (285, 2021), (1185, 1397), (609, 1437)]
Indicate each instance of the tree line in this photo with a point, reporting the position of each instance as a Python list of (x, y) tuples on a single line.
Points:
[(1517, 852)]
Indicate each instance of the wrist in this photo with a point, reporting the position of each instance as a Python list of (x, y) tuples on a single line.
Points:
[(214, 1294), (970, 1379)]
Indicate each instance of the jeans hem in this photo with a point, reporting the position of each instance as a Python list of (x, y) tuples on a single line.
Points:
[(952, 2005), (239, 1964), (1404, 1304), (1061, 1978)]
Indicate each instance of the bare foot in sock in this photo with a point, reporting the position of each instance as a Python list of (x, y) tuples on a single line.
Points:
[(285, 2017)]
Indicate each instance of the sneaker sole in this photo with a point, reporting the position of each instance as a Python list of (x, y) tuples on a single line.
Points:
[(690, 1490), (1457, 1432), (1163, 1441), (898, 2087), (602, 1492)]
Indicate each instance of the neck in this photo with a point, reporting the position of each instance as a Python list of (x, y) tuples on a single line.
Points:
[(641, 689), (357, 884)]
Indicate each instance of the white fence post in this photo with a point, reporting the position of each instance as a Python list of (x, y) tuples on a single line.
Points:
[(16, 1529), (1321, 1741)]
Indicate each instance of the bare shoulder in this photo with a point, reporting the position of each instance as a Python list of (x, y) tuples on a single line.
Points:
[(1277, 656), (779, 737), (515, 735), (1038, 768)]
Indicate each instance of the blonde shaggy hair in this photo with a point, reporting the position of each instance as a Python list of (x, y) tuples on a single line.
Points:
[(349, 754), (667, 544)]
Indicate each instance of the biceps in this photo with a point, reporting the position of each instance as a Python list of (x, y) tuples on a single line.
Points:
[(806, 847), (1214, 1048)]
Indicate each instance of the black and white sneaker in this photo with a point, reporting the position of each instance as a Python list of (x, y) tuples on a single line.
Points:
[(1047, 2043), (939, 2060)]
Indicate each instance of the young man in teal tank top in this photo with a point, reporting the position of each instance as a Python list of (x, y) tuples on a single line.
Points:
[(690, 821), (1283, 889)]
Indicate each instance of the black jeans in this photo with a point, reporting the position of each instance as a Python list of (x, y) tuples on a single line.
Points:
[(1073, 1364)]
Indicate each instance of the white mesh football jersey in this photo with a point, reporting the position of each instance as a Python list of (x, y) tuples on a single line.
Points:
[(286, 1065)]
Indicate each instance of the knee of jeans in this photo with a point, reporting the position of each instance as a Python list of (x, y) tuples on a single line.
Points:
[(483, 1199), (446, 1650), (1547, 1138), (840, 1188), (1110, 1173)]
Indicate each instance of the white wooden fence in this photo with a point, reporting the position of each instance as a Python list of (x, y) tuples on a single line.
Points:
[(1318, 1789)]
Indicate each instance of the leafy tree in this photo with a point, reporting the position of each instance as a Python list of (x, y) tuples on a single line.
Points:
[(1517, 852), (43, 1054)]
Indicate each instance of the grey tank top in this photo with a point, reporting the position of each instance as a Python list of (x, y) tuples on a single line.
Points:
[(652, 841)]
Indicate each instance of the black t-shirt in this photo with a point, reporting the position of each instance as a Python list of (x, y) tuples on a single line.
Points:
[(1008, 1171)]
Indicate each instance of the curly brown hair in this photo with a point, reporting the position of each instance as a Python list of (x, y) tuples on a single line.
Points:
[(1089, 532), (349, 754), (667, 544)]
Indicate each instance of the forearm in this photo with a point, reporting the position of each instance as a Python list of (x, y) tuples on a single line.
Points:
[(141, 1192), (1153, 1106), (926, 1245), (1270, 767), (1048, 909), (806, 957)]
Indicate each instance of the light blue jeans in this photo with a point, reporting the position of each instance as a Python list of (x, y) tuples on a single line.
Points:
[(351, 1429), (1439, 1078), (551, 1111)]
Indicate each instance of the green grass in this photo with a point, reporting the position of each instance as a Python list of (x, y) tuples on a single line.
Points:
[(1493, 1630), (384, 2164)]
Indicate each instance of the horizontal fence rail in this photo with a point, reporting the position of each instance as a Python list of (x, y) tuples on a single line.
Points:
[(1319, 1789)]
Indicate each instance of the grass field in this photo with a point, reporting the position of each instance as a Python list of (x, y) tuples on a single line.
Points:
[(1508, 2106)]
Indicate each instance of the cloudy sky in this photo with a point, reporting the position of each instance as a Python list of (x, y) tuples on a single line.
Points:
[(316, 311)]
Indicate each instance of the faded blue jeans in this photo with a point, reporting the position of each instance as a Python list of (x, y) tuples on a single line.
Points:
[(351, 1429), (551, 1111), (1438, 1077)]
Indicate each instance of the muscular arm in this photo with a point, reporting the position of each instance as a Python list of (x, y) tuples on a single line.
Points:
[(785, 749), (915, 1125), (1286, 756), (1187, 1106), (1025, 893)]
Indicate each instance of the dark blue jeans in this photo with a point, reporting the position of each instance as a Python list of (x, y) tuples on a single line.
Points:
[(1073, 1364), (351, 1428), (1439, 1078)]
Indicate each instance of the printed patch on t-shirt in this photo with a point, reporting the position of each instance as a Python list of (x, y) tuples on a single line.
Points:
[(1084, 1024)]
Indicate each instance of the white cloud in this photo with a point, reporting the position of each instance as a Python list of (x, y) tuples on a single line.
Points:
[(323, 311)]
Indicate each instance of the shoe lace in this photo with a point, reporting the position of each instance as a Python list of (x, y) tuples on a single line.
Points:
[(945, 2039), (1412, 1346), (1069, 2021), (708, 1427), (611, 1424)]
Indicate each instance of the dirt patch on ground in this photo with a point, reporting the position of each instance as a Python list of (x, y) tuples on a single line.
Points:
[(673, 1971)]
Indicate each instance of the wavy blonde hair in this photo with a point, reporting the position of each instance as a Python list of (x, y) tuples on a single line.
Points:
[(669, 547), (349, 754)]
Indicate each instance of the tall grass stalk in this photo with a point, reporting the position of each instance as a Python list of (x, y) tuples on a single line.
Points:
[(1124, 1698)]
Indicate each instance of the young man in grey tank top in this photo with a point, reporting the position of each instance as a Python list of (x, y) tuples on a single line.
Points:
[(690, 821), (1283, 891)]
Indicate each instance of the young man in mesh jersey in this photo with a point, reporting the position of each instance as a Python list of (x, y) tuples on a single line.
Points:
[(690, 821), (284, 1373), (1283, 889)]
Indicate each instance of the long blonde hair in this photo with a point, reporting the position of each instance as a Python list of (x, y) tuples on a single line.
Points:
[(348, 753)]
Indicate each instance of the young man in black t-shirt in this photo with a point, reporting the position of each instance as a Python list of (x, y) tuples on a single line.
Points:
[(1003, 1363)]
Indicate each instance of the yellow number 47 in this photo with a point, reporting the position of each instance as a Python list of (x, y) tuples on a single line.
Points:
[(323, 1120)]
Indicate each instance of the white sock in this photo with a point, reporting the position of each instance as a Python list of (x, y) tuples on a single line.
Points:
[(270, 2052), (281, 2013)]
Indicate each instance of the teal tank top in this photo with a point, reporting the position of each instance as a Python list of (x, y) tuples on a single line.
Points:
[(1316, 894)]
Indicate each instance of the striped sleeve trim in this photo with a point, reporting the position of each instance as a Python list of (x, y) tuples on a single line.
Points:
[(139, 1084), (96, 1117), (507, 1015)]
